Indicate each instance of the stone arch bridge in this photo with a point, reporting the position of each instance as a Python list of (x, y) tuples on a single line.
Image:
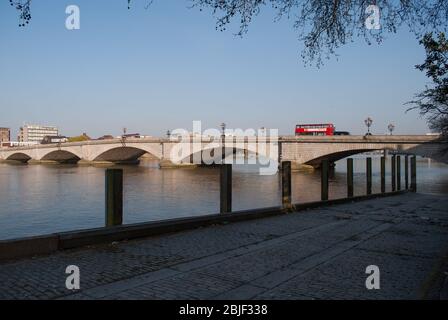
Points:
[(304, 150)]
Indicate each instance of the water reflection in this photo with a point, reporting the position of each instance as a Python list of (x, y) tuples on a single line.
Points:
[(40, 199)]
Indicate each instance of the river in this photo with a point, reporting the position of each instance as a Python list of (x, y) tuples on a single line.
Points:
[(41, 199)]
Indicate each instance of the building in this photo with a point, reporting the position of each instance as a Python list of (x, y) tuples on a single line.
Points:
[(106, 137), (5, 135), (36, 133)]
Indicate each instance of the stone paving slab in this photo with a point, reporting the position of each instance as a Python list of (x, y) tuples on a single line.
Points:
[(314, 254)]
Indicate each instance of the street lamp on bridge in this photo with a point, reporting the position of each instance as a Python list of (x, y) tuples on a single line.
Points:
[(391, 128), (368, 123), (223, 148), (123, 137), (223, 128)]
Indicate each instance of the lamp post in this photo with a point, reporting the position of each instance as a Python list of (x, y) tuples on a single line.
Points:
[(123, 137), (391, 128), (368, 123), (223, 148), (223, 128)]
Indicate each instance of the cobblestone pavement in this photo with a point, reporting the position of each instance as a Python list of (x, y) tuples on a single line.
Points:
[(316, 254)]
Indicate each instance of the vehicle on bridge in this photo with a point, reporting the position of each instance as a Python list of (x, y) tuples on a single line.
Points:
[(54, 139), (320, 129), (341, 133), (131, 135), (11, 144)]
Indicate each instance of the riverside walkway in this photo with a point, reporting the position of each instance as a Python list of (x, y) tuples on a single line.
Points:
[(315, 254)]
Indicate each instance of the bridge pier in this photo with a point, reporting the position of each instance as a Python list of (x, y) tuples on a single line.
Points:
[(168, 164), (295, 166), (34, 161), (84, 162), (13, 161)]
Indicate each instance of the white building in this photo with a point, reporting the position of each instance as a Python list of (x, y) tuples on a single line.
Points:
[(36, 133)]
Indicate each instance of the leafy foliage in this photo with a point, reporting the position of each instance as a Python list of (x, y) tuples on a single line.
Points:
[(433, 101), (325, 25), (23, 6), (80, 138)]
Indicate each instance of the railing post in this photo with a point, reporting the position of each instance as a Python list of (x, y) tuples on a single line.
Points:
[(406, 172), (369, 175), (383, 174), (226, 188), (286, 184), (114, 197), (398, 173), (393, 172), (350, 178), (414, 174), (324, 179)]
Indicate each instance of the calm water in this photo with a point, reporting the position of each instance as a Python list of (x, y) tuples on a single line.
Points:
[(40, 199)]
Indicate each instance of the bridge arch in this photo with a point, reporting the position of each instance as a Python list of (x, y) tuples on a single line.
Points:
[(335, 156), (19, 156), (338, 152), (213, 154), (62, 156), (120, 154)]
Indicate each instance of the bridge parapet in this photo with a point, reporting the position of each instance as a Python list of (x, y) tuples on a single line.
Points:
[(366, 139), (312, 150), (298, 149)]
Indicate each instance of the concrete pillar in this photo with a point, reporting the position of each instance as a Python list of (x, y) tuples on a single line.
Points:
[(369, 175), (393, 167), (114, 197), (406, 172), (325, 168), (383, 174), (414, 174), (226, 188), (286, 184), (350, 178)]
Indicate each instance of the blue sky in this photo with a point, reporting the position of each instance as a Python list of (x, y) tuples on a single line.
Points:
[(161, 68)]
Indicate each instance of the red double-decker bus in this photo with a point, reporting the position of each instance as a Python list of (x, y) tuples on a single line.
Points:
[(322, 129)]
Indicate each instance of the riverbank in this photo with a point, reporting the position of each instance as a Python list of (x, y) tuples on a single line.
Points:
[(317, 254)]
